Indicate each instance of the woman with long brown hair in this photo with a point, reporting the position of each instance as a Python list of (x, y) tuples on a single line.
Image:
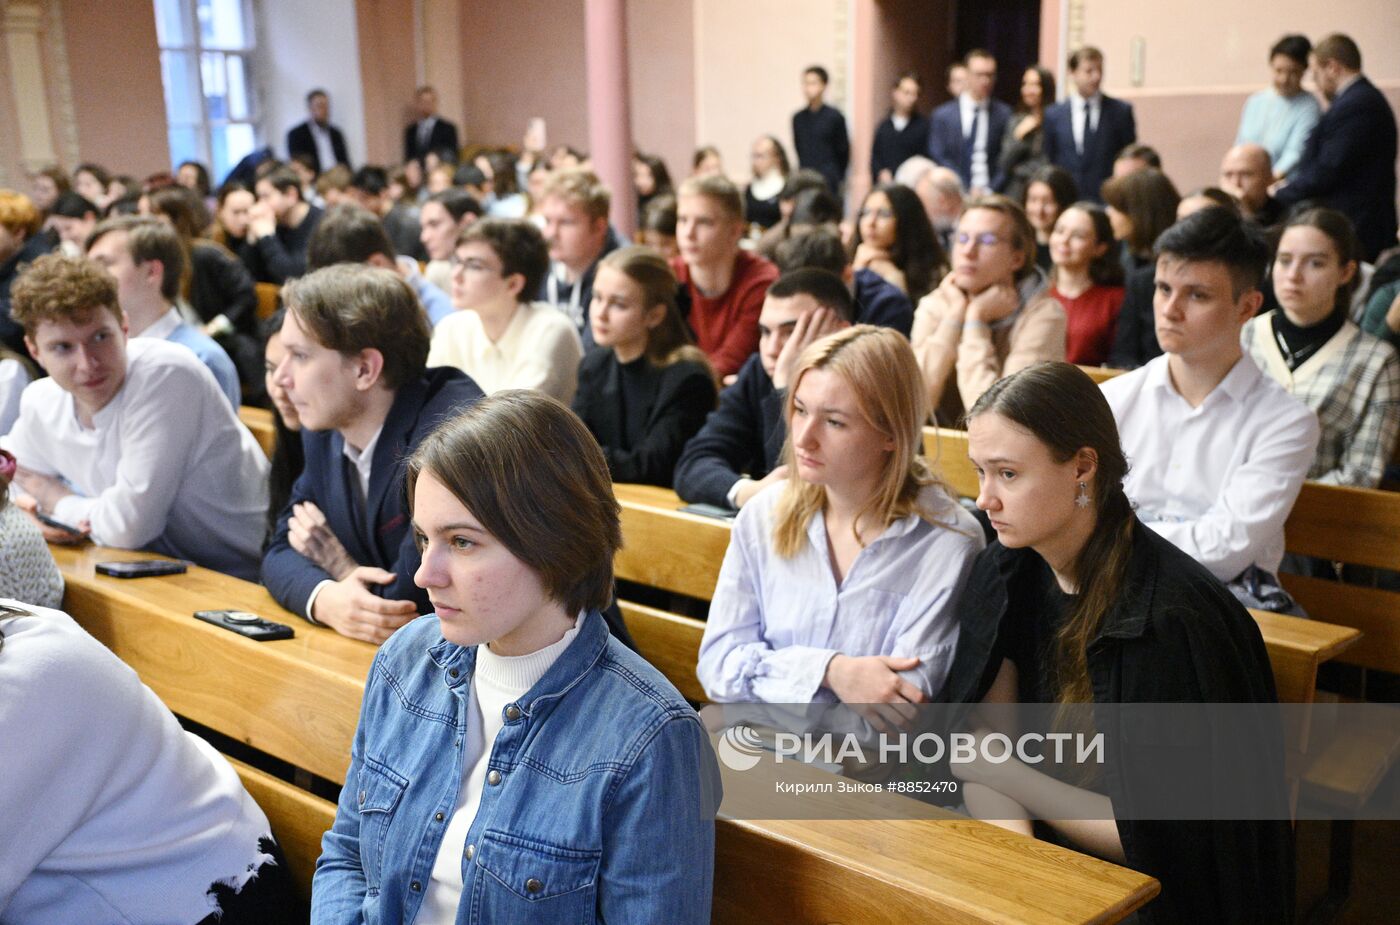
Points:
[(1077, 603), (842, 582), (648, 388)]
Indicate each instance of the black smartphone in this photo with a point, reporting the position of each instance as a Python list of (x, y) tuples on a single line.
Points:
[(710, 510), (48, 521), (246, 624), (142, 568)]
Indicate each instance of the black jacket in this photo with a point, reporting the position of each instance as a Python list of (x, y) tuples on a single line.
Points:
[(281, 256), (443, 137), (670, 402), (1115, 130), (743, 436), (893, 147), (299, 141), (1348, 164), (34, 247), (1176, 635), (822, 143), (1135, 339)]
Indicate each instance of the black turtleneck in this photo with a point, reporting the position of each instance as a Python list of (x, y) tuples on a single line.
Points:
[(1298, 344)]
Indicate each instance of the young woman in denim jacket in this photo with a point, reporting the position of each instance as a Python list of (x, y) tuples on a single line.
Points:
[(513, 762)]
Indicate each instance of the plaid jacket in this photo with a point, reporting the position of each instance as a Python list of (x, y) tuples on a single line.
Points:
[(1352, 383)]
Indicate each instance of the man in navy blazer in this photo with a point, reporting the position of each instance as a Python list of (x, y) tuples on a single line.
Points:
[(429, 132), (316, 137), (1348, 162), (356, 344), (965, 134), (1084, 133)]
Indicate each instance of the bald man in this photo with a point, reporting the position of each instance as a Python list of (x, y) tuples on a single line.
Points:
[(1246, 173), (939, 189)]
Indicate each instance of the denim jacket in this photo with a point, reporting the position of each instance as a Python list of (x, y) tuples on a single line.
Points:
[(599, 803)]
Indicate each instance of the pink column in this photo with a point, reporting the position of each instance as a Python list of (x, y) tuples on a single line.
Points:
[(609, 106)]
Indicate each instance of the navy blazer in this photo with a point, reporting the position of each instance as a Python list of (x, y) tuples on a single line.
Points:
[(1348, 164), (1116, 130), (947, 146), (383, 538), (443, 137), (299, 141), (743, 436)]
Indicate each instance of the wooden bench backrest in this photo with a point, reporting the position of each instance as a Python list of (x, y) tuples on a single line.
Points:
[(670, 642), (1357, 526), (946, 450), (259, 421), (268, 296), (298, 820), (1101, 374)]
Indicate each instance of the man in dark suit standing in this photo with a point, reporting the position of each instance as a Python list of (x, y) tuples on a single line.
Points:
[(316, 137), (429, 132), (965, 134), (1349, 160), (819, 132), (1084, 133)]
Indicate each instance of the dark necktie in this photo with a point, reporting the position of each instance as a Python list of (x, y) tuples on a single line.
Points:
[(970, 142), (1090, 129)]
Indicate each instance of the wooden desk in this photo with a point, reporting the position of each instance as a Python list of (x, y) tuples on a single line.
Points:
[(296, 699), (259, 421), (299, 699)]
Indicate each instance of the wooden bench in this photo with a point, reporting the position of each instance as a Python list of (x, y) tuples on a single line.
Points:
[(269, 295), (259, 421), (1101, 374), (298, 821), (298, 700)]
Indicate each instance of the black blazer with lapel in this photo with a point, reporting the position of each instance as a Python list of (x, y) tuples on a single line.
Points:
[(947, 146), (1116, 130), (443, 135), (299, 141)]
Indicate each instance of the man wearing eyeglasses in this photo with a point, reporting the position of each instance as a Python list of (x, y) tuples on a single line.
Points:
[(991, 316), (498, 336)]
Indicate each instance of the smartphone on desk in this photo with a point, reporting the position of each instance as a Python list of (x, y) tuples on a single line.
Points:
[(142, 568), (710, 510), (246, 624)]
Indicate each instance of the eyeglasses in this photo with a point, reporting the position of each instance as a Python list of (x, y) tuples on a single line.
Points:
[(882, 214), (471, 265), (985, 239)]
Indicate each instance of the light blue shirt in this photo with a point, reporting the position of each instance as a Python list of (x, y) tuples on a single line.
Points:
[(775, 623), (436, 303), (1281, 125), (170, 327)]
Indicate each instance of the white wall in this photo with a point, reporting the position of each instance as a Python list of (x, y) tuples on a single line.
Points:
[(304, 44)]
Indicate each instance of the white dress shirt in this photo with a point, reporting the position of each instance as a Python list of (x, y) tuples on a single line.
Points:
[(539, 349), (166, 465), (1218, 480), (325, 146), (775, 623), (1078, 106), (967, 107), (363, 461)]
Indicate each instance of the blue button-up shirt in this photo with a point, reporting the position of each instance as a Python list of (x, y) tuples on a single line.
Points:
[(775, 623), (599, 802)]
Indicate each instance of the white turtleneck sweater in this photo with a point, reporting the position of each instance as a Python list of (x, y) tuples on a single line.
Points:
[(499, 680)]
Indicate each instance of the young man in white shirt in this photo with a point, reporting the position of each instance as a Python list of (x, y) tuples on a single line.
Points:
[(498, 336), (146, 259), (1218, 450), (130, 443)]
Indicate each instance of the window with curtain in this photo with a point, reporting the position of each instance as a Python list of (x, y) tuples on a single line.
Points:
[(206, 49)]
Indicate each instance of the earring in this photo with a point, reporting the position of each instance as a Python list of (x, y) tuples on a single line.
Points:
[(1082, 499)]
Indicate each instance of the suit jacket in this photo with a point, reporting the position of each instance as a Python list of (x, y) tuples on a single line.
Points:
[(443, 135), (743, 436), (893, 147), (947, 146), (299, 141), (378, 533), (672, 401), (1116, 130), (1349, 165)]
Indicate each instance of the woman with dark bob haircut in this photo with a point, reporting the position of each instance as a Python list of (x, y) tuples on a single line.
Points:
[(513, 762), (1078, 605)]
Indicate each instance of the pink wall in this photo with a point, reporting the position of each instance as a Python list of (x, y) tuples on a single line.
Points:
[(661, 51), (389, 73), (118, 101), (520, 59)]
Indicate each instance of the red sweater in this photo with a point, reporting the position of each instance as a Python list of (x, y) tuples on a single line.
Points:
[(1090, 321), (726, 328)]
